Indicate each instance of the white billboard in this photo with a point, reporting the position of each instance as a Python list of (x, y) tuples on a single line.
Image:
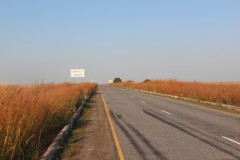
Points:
[(77, 73)]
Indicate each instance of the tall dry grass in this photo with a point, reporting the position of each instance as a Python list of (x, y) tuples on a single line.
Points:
[(225, 93), (31, 115)]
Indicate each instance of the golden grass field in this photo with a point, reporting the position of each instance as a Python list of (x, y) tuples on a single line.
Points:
[(32, 115), (218, 92)]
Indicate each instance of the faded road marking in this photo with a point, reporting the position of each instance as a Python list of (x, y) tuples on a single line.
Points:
[(166, 112), (142, 101), (231, 140)]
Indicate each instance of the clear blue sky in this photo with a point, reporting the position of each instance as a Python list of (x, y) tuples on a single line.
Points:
[(187, 40)]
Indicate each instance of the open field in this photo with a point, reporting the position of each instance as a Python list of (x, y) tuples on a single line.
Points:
[(219, 92), (31, 116)]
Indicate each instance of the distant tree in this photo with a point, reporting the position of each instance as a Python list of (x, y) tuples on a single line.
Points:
[(130, 81), (117, 80), (146, 80)]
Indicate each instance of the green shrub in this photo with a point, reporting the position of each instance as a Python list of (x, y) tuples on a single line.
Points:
[(117, 80)]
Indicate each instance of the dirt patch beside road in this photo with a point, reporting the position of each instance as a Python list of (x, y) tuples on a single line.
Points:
[(92, 138)]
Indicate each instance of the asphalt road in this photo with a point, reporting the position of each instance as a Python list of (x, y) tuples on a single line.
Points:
[(154, 127)]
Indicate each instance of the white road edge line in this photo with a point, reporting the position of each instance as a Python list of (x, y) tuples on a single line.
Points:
[(166, 112), (231, 140), (143, 102)]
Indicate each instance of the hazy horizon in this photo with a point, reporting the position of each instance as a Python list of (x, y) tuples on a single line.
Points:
[(135, 40)]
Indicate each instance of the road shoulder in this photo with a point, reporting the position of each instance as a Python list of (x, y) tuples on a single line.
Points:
[(92, 138)]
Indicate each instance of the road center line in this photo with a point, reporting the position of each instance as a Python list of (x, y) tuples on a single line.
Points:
[(231, 140), (166, 112), (143, 102)]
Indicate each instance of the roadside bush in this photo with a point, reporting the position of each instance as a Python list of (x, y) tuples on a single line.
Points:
[(146, 80), (117, 80)]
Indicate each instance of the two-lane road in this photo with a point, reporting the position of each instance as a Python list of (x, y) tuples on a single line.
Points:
[(153, 127)]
